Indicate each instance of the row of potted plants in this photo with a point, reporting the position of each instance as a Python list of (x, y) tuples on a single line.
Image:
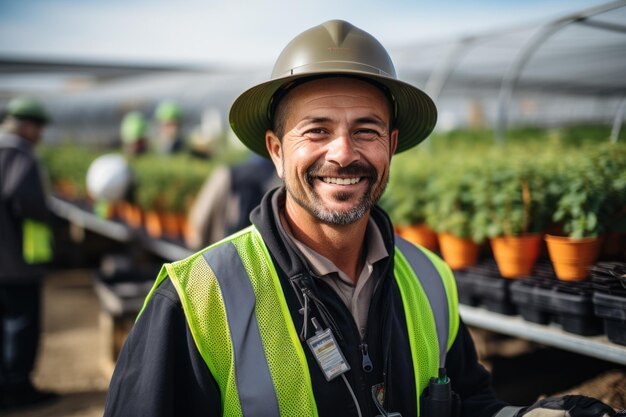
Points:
[(512, 196), (164, 191), (66, 167), (164, 186)]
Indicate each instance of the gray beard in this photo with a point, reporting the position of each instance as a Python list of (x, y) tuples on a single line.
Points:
[(338, 218)]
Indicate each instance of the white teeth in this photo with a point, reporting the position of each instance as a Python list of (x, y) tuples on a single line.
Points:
[(341, 181)]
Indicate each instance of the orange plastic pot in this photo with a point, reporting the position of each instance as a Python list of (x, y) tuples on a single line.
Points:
[(171, 225), (457, 252), (153, 225), (420, 234), (66, 189), (131, 214), (571, 257), (516, 255)]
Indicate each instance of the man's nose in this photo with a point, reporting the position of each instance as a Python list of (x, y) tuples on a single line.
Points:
[(342, 150)]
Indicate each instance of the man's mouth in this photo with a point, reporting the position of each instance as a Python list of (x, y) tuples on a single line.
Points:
[(350, 175), (341, 181)]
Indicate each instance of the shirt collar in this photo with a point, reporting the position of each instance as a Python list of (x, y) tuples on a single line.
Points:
[(375, 249)]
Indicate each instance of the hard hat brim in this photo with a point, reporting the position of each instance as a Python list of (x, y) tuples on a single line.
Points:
[(416, 114)]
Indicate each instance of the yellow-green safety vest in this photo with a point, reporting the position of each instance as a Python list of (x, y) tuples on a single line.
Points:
[(238, 316), (36, 242)]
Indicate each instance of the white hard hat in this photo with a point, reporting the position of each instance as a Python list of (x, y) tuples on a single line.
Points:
[(109, 178)]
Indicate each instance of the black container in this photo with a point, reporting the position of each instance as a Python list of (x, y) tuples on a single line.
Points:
[(612, 308), (482, 285), (609, 277), (545, 300), (466, 288)]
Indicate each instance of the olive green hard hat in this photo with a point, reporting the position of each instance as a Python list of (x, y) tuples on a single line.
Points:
[(27, 108), (168, 111), (133, 127), (333, 48)]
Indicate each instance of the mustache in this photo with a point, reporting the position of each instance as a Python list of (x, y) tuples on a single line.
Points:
[(360, 169)]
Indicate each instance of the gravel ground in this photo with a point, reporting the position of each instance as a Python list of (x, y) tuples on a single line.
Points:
[(71, 356)]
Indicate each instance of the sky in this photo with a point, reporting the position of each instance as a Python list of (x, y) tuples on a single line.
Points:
[(240, 32)]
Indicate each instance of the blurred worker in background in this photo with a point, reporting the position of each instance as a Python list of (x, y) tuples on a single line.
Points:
[(133, 132), (25, 244), (206, 137), (317, 309), (227, 198), (169, 138)]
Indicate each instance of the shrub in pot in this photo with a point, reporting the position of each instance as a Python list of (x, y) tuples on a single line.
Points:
[(406, 198), (450, 212), (511, 208), (66, 166), (583, 205)]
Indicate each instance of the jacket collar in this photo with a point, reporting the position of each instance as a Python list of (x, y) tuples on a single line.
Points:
[(266, 219)]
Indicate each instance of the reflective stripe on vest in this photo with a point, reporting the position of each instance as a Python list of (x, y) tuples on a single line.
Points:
[(430, 293), (246, 335)]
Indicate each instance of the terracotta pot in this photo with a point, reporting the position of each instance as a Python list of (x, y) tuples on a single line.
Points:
[(65, 189), (152, 223), (134, 216), (420, 234), (457, 252), (516, 255), (131, 214), (571, 257), (171, 225)]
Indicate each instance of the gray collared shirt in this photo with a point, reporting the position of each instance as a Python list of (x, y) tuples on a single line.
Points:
[(356, 297)]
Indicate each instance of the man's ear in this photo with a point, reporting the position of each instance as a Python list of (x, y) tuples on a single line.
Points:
[(274, 148), (393, 141)]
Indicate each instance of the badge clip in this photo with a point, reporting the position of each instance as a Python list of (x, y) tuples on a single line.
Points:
[(327, 352)]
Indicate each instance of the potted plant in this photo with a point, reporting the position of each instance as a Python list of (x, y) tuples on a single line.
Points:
[(611, 161), (67, 166), (151, 176), (580, 207), (450, 212), (512, 208), (407, 196)]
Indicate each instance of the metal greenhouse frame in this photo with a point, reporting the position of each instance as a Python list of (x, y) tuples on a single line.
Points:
[(569, 69)]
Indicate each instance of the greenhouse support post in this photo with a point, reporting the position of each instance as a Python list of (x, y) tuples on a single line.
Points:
[(618, 121)]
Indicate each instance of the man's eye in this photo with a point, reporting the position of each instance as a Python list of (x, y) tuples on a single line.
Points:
[(366, 133), (317, 132)]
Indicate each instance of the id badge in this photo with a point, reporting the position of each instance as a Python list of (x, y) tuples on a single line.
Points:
[(328, 355)]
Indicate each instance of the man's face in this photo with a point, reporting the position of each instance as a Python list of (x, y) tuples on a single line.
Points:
[(334, 156), (32, 131)]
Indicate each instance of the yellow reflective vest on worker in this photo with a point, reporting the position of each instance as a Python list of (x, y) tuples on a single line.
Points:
[(37, 242), (239, 319)]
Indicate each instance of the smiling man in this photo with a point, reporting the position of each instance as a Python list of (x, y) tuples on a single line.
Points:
[(317, 309), (334, 159)]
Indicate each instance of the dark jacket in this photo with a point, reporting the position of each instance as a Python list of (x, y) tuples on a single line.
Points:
[(161, 373), (22, 197)]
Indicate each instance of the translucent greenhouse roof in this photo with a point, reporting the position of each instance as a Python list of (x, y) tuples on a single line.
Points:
[(571, 68)]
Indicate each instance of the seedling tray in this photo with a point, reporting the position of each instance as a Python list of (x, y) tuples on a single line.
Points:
[(546, 300), (612, 309)]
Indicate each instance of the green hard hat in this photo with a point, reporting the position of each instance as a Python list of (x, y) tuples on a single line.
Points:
[(333, 48), (168, 111), (133, 127), (27, 108)]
